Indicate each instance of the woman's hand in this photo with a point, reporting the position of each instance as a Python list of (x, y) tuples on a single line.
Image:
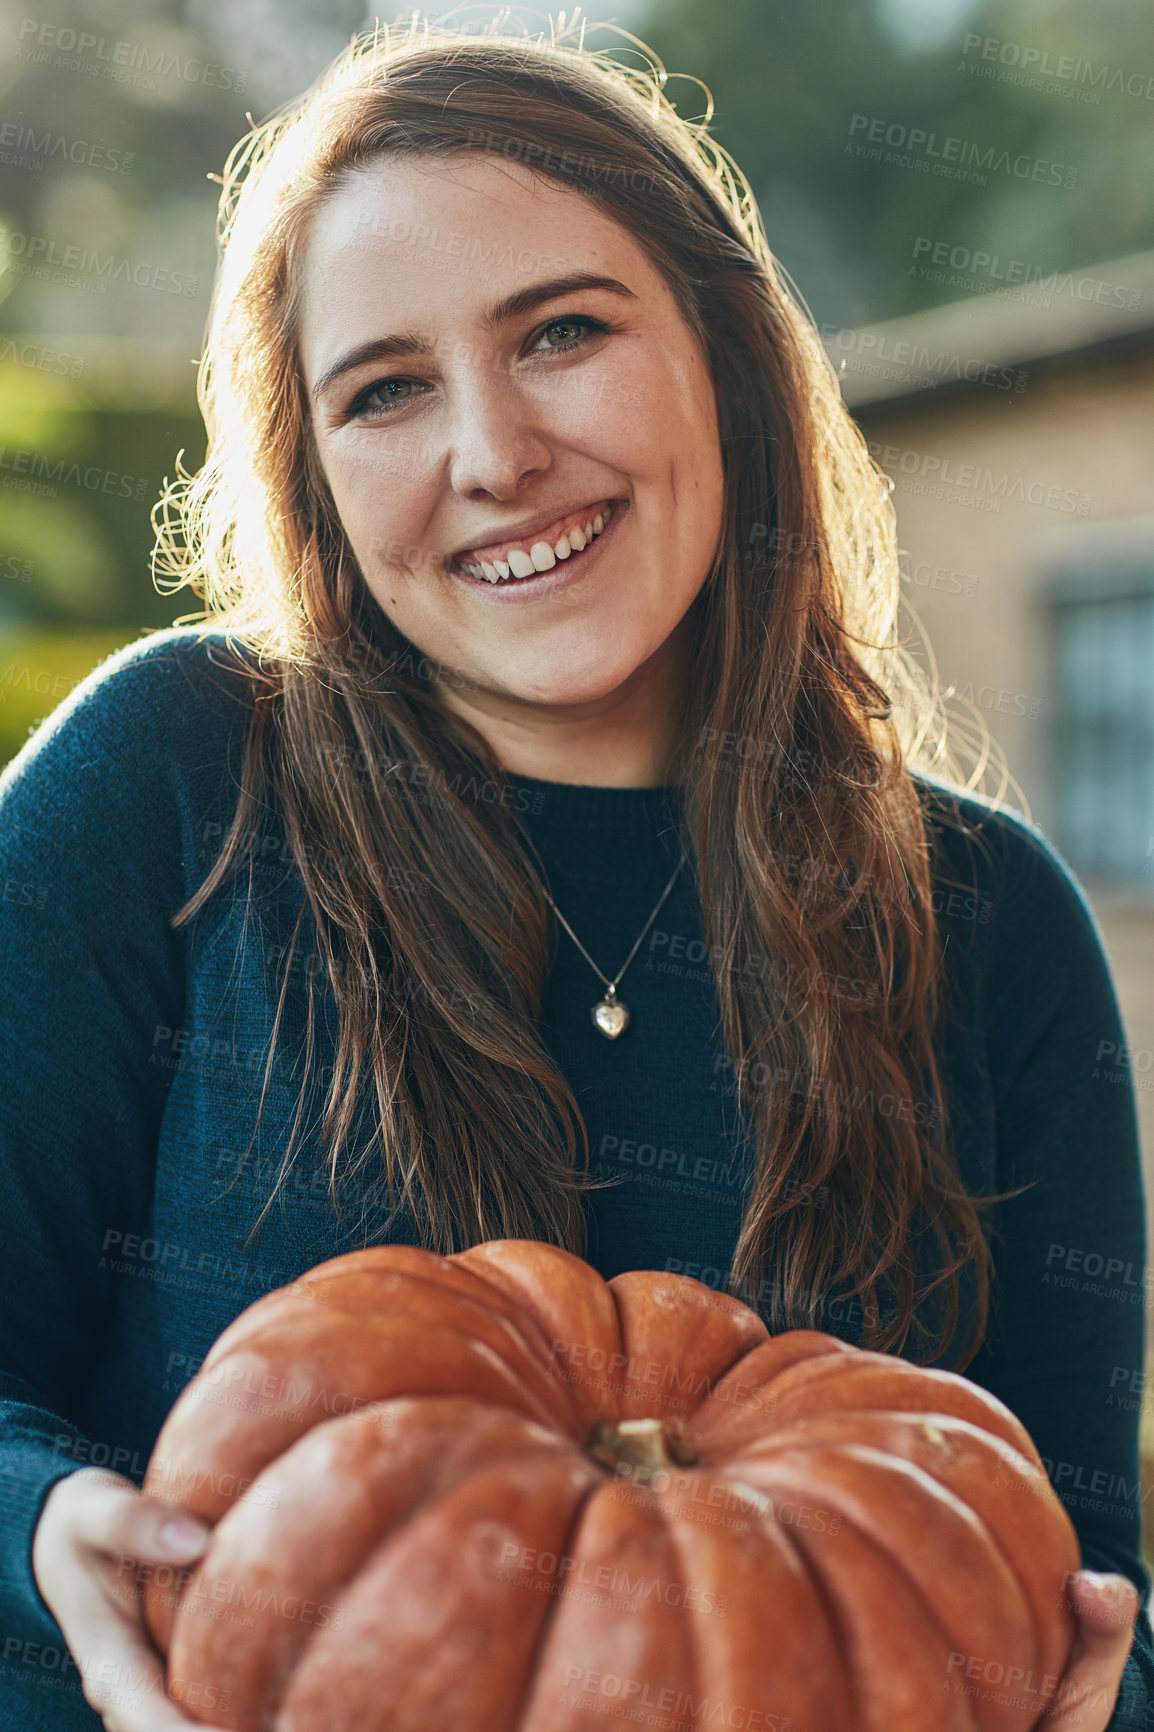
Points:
[(1104, 1607), (93, 1528)]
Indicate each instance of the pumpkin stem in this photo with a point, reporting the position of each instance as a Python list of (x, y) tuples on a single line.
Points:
[(639, 1448)]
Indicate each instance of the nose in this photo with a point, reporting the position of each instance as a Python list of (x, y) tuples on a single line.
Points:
[(495, 441)]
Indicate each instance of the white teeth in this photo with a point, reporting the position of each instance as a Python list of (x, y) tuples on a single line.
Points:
[(541, 556)]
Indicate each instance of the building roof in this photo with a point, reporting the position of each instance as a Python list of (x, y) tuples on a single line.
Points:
[(961, 345)]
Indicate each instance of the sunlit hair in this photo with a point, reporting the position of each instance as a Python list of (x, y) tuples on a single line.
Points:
[(427, 919)]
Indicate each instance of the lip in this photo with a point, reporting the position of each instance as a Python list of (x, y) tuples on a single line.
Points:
[(533, 527), (563, 575)]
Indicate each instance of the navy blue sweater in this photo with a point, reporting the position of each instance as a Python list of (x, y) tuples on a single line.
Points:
[(133, 1057)]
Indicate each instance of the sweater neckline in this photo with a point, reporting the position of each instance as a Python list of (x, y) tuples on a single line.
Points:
[(566, 804)]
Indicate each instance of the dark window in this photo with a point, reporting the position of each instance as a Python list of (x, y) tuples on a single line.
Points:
[(1104, 731)]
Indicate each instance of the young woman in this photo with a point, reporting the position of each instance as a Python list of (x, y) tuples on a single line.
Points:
[(539, 839)]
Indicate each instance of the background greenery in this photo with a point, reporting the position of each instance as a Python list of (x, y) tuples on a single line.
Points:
[(162, 89)]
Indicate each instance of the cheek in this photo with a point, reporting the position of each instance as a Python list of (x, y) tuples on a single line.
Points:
[(381, 507), (657, 414)]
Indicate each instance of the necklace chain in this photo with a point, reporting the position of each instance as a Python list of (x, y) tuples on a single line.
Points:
[(611, 985)]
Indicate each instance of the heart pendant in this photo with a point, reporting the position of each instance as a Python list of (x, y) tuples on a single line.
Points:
[(611, 1017)]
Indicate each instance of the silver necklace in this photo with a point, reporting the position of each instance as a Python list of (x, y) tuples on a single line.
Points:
[(609, 1014)]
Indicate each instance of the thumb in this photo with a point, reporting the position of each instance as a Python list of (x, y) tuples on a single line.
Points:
[(171, 1532), (150, 1529), (107, 1513), (1107, 1605)]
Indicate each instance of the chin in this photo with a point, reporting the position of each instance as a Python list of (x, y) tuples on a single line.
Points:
[(565, 686)]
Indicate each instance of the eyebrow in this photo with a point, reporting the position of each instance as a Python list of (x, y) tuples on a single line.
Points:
[(511, 307)]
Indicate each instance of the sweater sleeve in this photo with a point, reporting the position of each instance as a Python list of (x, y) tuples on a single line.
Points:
[(1066, 1346), (90, 871)]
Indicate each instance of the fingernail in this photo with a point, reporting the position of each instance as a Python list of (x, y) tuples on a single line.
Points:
[(1107, 1587), (183, 1536)]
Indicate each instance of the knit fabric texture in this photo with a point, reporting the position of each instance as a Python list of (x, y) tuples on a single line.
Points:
[(134, 1057)]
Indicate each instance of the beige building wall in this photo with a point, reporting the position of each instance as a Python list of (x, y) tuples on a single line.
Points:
[(976, 548)]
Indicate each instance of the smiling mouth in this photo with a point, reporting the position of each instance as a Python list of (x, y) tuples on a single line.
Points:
[(522, 564)]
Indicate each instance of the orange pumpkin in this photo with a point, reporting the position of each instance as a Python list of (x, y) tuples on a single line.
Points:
[(495, 1493)]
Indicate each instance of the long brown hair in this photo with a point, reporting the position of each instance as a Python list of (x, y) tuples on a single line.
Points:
[(807, 842)]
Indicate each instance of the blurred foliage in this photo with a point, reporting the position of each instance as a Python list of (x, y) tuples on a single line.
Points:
[(117, 116), (80, 477), (788, 80), (38, 669)]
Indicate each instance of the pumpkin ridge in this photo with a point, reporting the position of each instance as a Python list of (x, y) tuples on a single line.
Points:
[(443, 1328), (811, 1552), (961, 1396), (808, 1547), (469, 1515), (664, 1326), (545, 1628), (394, 1533), (490, 1299), (336, 1448), (771, 1542), (547, 1450), (720, 1420), (886, 1537), (567, 1301), (545, 1386), (833, 1617), (257, 1430), (518, 1316), (386, 1264), (523, 1360), (669, 1526), (987, 1442), (621, 1532), (803, 1423)]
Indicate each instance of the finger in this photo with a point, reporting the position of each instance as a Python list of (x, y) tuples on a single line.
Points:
[(123, 1676), (123, 1523), (1088, 1692), (129, 1551), (1107, 1605), (124, 1680)]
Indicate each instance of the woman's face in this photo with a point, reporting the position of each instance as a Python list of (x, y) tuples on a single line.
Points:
[(506, 417)]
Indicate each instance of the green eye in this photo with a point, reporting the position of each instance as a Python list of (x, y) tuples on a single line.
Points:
[(363, 408), (580, 322)]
